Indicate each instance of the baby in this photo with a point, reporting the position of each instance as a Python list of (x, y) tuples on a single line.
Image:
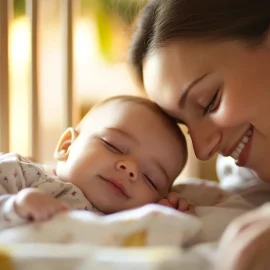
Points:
[(125, 153)]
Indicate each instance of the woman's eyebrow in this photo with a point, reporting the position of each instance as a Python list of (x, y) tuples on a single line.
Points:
[(183, 98)]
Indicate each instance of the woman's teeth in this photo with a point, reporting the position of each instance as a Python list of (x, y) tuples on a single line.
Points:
[(236, 153)]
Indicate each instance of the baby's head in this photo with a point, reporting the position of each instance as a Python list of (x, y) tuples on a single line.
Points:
[(125, 153)]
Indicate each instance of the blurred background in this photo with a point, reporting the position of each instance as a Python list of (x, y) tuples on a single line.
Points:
[(80, 49)]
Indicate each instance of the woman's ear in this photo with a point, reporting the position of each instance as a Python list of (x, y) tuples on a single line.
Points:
[(61, 152)]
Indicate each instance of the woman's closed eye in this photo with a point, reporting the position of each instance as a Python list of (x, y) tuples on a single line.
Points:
[(213, 104), (150, 182), (112, 147)]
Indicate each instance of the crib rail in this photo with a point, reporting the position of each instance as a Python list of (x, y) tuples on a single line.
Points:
[(33, 11), (5, 15)]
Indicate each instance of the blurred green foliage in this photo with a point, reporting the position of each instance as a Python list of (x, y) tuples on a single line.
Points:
[(19, 8), (126, 10), (104, 12)]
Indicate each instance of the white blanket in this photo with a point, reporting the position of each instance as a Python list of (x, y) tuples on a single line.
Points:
[(151, 225), (151, 237)]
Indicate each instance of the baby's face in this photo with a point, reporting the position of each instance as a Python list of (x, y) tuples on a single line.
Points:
[(124, 158)]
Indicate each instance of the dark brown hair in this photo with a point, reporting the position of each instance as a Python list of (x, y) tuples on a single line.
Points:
[(162, 21)]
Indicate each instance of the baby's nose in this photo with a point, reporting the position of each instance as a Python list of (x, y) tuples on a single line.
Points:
[(128, 167)]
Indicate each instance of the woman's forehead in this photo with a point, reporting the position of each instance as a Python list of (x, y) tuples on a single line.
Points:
[(179, 63), (166, 72)]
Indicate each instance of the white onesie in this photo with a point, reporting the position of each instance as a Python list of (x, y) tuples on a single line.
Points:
[(17, 173)]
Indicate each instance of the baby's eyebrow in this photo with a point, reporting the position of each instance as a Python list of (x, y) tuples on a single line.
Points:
[(123, 133)]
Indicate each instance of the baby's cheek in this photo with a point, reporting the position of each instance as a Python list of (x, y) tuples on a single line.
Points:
[(146, 196)]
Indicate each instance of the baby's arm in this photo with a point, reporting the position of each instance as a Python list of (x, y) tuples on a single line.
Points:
[(35, 205), (10, 184), (29, 204), (8, 216), (19, 204)]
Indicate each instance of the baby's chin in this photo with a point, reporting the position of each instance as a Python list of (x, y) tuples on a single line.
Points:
[(106, 206), (111, 207)]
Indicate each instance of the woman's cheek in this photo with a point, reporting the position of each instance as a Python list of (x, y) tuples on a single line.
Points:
[(232, 113)]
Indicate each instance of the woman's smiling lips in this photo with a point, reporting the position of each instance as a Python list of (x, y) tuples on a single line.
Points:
[(240, 150)]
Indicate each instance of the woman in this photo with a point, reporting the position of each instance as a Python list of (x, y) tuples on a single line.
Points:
[(207, 64)]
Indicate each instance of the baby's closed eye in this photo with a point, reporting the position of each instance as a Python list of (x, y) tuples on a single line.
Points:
[(149, 181), (112, 147)]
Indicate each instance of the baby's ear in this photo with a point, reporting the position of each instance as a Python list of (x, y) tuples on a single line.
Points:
[(61, 152)]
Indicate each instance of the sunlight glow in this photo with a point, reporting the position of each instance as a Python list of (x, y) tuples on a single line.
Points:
[(19, 85)]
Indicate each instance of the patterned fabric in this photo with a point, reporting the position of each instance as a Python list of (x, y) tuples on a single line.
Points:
[(17, 173)]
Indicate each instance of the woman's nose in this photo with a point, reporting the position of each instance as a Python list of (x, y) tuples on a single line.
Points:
[(206, 141), (129, 167)]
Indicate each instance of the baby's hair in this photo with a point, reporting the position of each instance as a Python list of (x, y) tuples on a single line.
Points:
[(168, 121)]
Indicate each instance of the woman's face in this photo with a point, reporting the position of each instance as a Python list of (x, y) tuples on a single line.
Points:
[(221, 91)]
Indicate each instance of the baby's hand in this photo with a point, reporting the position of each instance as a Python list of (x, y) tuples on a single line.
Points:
[(36, 205), (174, 201)]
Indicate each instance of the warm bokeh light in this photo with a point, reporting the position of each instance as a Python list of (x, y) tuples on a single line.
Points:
[(19, 85)]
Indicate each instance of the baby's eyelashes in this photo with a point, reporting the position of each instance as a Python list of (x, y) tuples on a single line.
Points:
[(148, 179), (112, 147)]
